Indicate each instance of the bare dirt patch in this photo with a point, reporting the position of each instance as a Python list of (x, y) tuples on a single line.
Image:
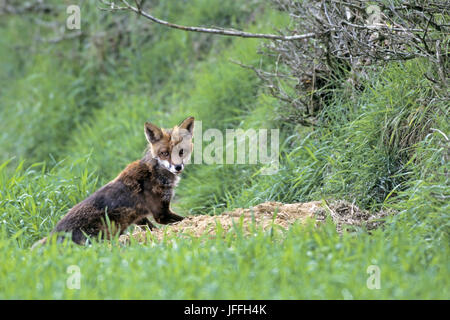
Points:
[(265, 216)]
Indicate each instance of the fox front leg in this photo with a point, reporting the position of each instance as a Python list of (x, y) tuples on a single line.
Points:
[(166, 215), (170, 217), (145, 222)]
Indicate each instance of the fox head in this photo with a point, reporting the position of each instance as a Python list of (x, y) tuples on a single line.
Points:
[(171, 147)]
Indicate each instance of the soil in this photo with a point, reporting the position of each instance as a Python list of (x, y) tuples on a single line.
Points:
[(344, 214)]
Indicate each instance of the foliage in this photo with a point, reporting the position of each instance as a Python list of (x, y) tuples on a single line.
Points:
[(72, 115)]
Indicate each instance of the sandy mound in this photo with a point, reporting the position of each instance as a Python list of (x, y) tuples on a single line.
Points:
[(264, 216)]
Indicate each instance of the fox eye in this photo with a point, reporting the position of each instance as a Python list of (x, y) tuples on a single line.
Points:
[(181, 152), (165, 153)]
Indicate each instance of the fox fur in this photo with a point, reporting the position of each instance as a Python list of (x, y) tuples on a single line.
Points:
[(143, 189)]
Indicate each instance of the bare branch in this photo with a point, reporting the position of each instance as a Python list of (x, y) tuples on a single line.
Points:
[(219, 31), (352, 41)]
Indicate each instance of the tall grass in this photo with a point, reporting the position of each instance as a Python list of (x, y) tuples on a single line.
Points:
[(74, 118), (304, 263)]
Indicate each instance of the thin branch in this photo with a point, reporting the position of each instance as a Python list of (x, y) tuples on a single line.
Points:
[(443, 134), (260, 72), (381, 26), (218, 31)]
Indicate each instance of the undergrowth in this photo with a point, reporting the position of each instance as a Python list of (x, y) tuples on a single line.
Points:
[(72, 119)]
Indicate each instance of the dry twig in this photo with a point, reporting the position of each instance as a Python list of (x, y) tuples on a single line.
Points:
[(218, 31)]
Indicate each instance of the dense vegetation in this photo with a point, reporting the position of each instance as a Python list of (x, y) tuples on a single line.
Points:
[(72, 114)]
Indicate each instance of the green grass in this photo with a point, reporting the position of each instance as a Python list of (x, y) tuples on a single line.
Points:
[(304, 263), (72, 117)]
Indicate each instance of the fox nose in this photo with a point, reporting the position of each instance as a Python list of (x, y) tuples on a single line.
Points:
[(178, 167)]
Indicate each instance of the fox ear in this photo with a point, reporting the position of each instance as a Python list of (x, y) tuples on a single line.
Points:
[(188, 124), (152, 132)]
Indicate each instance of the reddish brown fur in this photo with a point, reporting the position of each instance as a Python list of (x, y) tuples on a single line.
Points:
[(144, 188)]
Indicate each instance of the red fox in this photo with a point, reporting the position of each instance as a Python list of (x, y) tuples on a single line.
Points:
[(144, 188)]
